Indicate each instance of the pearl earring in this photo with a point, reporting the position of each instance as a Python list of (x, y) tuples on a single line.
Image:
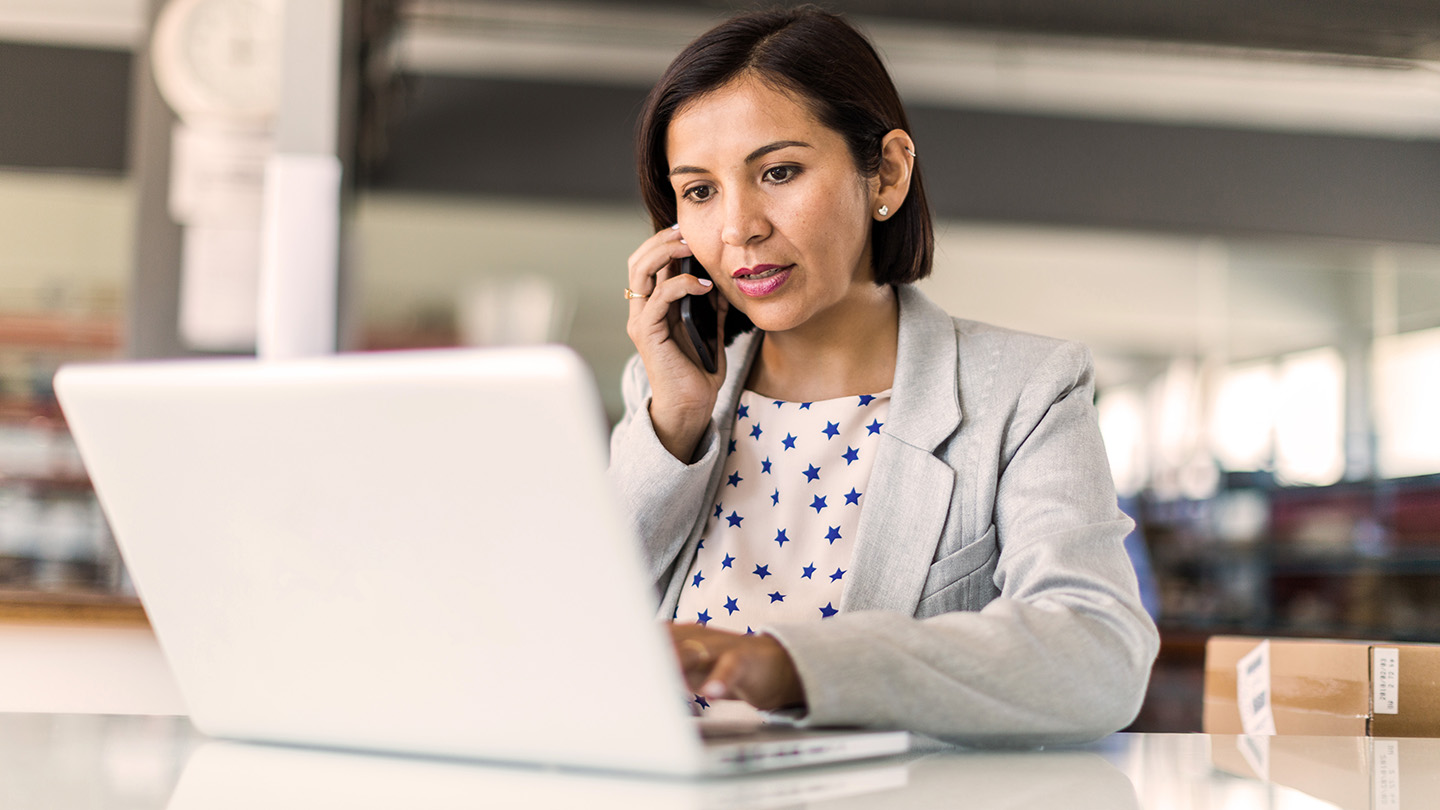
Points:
[(884, 211)]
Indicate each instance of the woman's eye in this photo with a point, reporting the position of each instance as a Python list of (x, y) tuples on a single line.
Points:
[(698, 194), (781, 174)]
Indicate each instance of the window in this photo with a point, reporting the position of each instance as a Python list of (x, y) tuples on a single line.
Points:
[(1405, 391)]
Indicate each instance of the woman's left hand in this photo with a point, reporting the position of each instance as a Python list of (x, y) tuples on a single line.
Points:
[(753, 668)]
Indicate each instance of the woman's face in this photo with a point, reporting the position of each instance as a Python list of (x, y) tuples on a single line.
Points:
[(771, 203)]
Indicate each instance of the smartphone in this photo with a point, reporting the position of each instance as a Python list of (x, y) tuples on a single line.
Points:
[(699, 318)]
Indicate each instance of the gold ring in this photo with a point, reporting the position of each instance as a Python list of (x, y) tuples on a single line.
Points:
[(629, 293)]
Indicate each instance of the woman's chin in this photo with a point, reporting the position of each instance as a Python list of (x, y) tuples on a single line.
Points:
[(768, 320)]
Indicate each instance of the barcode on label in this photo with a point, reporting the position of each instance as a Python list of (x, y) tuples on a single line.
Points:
[(1252, 691), (1385, 776), (1385, 675)]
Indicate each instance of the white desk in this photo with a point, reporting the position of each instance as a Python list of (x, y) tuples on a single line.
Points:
[(56, 754), (76, 668), (80, 762)]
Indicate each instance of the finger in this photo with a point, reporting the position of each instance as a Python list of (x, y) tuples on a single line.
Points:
[(758, 672), (693, 654), (650, 259), (656, 309), (660, 269), (657, 241), (723, 677)]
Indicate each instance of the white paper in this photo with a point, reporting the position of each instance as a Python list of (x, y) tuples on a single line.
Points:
[(1252, 691), (1385, 680)]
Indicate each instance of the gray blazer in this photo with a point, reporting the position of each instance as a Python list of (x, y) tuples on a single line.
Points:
[(990, 599)]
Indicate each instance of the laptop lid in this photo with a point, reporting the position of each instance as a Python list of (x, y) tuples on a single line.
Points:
[(409, 552)]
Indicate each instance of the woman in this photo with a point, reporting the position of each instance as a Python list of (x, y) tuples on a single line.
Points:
[(946, 550)]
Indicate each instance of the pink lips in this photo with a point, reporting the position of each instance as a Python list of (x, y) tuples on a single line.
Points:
[(760, 287)]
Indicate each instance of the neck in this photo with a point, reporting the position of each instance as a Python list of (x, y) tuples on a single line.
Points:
[(847, 352)]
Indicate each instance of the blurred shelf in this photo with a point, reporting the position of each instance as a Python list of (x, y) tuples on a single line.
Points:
[(42, 413), (1417, 561), (57, 484), (47, 496), (399, 338), (1279, 559), (81, 607), (1179, 631), (59, 332)]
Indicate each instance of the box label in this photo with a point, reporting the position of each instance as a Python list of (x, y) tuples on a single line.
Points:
[(1386, 775), (1252, 691), (1385, 666)]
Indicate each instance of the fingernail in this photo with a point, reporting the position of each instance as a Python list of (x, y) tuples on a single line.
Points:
[(713, 690), (704, 282), (675, 227), (683, 242)]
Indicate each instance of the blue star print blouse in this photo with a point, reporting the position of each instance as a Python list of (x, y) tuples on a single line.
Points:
[(778, 540)]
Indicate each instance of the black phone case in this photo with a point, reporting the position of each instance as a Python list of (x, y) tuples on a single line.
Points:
[(698, 315)]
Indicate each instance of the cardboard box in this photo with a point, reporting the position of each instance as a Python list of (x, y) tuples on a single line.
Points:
[(1311, 687)]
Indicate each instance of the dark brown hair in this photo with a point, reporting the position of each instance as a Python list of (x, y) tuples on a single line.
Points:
[(829, 66)]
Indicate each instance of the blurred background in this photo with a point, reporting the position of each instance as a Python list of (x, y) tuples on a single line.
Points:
[(1234, 203)]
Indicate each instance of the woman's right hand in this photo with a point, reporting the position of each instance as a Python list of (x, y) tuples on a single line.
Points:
[(682, 393)]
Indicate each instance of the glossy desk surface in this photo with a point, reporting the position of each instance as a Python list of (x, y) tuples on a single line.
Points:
[(78, 762)]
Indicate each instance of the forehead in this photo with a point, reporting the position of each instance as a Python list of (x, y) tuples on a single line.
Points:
[(741, 115)]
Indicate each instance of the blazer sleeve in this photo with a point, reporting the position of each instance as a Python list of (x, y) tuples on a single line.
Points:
[(1062, 655), (660, 493)]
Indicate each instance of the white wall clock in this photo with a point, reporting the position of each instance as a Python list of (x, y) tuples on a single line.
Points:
[(219, 61)]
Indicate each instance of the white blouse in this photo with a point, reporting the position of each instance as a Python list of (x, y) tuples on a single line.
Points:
[(778, 541)]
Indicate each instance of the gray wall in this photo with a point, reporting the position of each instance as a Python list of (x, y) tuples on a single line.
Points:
[(64, 108), (530, 139), (68, 109)]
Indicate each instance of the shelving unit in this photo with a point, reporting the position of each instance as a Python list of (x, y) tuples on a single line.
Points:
[(1357, 560), (59, 333), (71, 606), (57, 558)]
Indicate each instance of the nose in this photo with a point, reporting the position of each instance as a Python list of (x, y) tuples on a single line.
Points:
[(745, 219)]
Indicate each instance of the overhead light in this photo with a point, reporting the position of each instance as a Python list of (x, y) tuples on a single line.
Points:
[(1165, 82), (547, 41), (103, 24), (961, 68)]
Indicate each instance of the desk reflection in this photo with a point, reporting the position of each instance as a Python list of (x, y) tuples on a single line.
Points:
[(90, 762), (1349, 773), (223, 775)]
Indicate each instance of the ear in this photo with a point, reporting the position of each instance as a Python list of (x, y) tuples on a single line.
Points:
[(897, 166)]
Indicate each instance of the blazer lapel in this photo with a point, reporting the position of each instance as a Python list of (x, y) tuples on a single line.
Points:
[(910, 489)]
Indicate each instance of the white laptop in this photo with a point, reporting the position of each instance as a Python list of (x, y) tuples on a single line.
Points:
[(412, 552)]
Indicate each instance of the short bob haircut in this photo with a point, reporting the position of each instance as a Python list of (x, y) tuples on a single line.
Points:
[(829, 66)]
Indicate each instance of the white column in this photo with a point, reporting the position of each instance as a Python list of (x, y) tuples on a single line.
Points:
[(301, 222)]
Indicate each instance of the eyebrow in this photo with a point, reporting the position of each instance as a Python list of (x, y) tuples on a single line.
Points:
[(750, 158)]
